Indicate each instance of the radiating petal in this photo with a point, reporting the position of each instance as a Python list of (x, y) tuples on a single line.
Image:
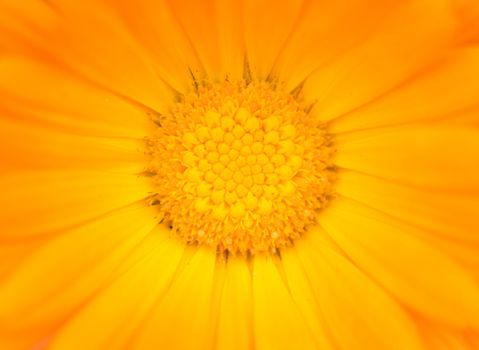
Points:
[(446, 214), (42, 203), (86, 39), (235, 320), (267, 26), (23, 147), (385, 60), (306, 297), (37, 93), (445, 90), (410, 269), (124, 305), (182, 318), (12, 253), (468, 15), (327, 30), (66, 270), (357, 312), (438, 337), (214, 28), (155, 26), (278, 322), (442, 157)]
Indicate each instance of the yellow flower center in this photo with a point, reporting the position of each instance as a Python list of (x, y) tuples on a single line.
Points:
[(241, 167)]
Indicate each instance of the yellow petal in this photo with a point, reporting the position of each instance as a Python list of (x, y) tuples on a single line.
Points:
[(431, 157), (305, 296), (358, 313), (278, 322), (394, 254), (235, 320), (182, 318), (69, 268), (267, 25), (122, 306)]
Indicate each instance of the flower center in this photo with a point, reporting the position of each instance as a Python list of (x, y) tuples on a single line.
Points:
[(241, 167)]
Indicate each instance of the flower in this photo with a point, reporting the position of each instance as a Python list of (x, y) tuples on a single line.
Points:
[(239, 174)]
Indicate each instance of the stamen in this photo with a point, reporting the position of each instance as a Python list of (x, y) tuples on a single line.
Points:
[(241, 167)]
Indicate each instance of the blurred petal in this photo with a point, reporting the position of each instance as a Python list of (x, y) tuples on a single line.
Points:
[(76, 263), (385, 60), (424, 208), (23, 147), (34, 92), (267, 26), (413, 271), (306, 297), (86, 39), (327, 30), (45, 202), (431, 157), (125, 303), (214, 28), (357, 312), (278, 322), (186, 306), (155, 26), (235, 321), (468, 15), (443, 91)]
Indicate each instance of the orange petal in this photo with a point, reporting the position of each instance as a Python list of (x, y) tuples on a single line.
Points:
[(428, 97), (27, 147), (429, 157), (327, 30), (76, 263), (155, 26), (40, 94), (43, 203), (438, 337), (87, 39), (394, 254), (440, 213), (358, 313), (13, 253), (385, 60), (267, 25), (215, 30), (447, 221), (467, 12)]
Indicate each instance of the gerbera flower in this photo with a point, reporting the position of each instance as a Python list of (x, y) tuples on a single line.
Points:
[(239, 174)]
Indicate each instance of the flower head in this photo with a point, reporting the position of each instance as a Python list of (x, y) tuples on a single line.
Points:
[(239, 174)]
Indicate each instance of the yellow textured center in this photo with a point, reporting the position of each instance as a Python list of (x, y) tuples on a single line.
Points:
[(241, 167)]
